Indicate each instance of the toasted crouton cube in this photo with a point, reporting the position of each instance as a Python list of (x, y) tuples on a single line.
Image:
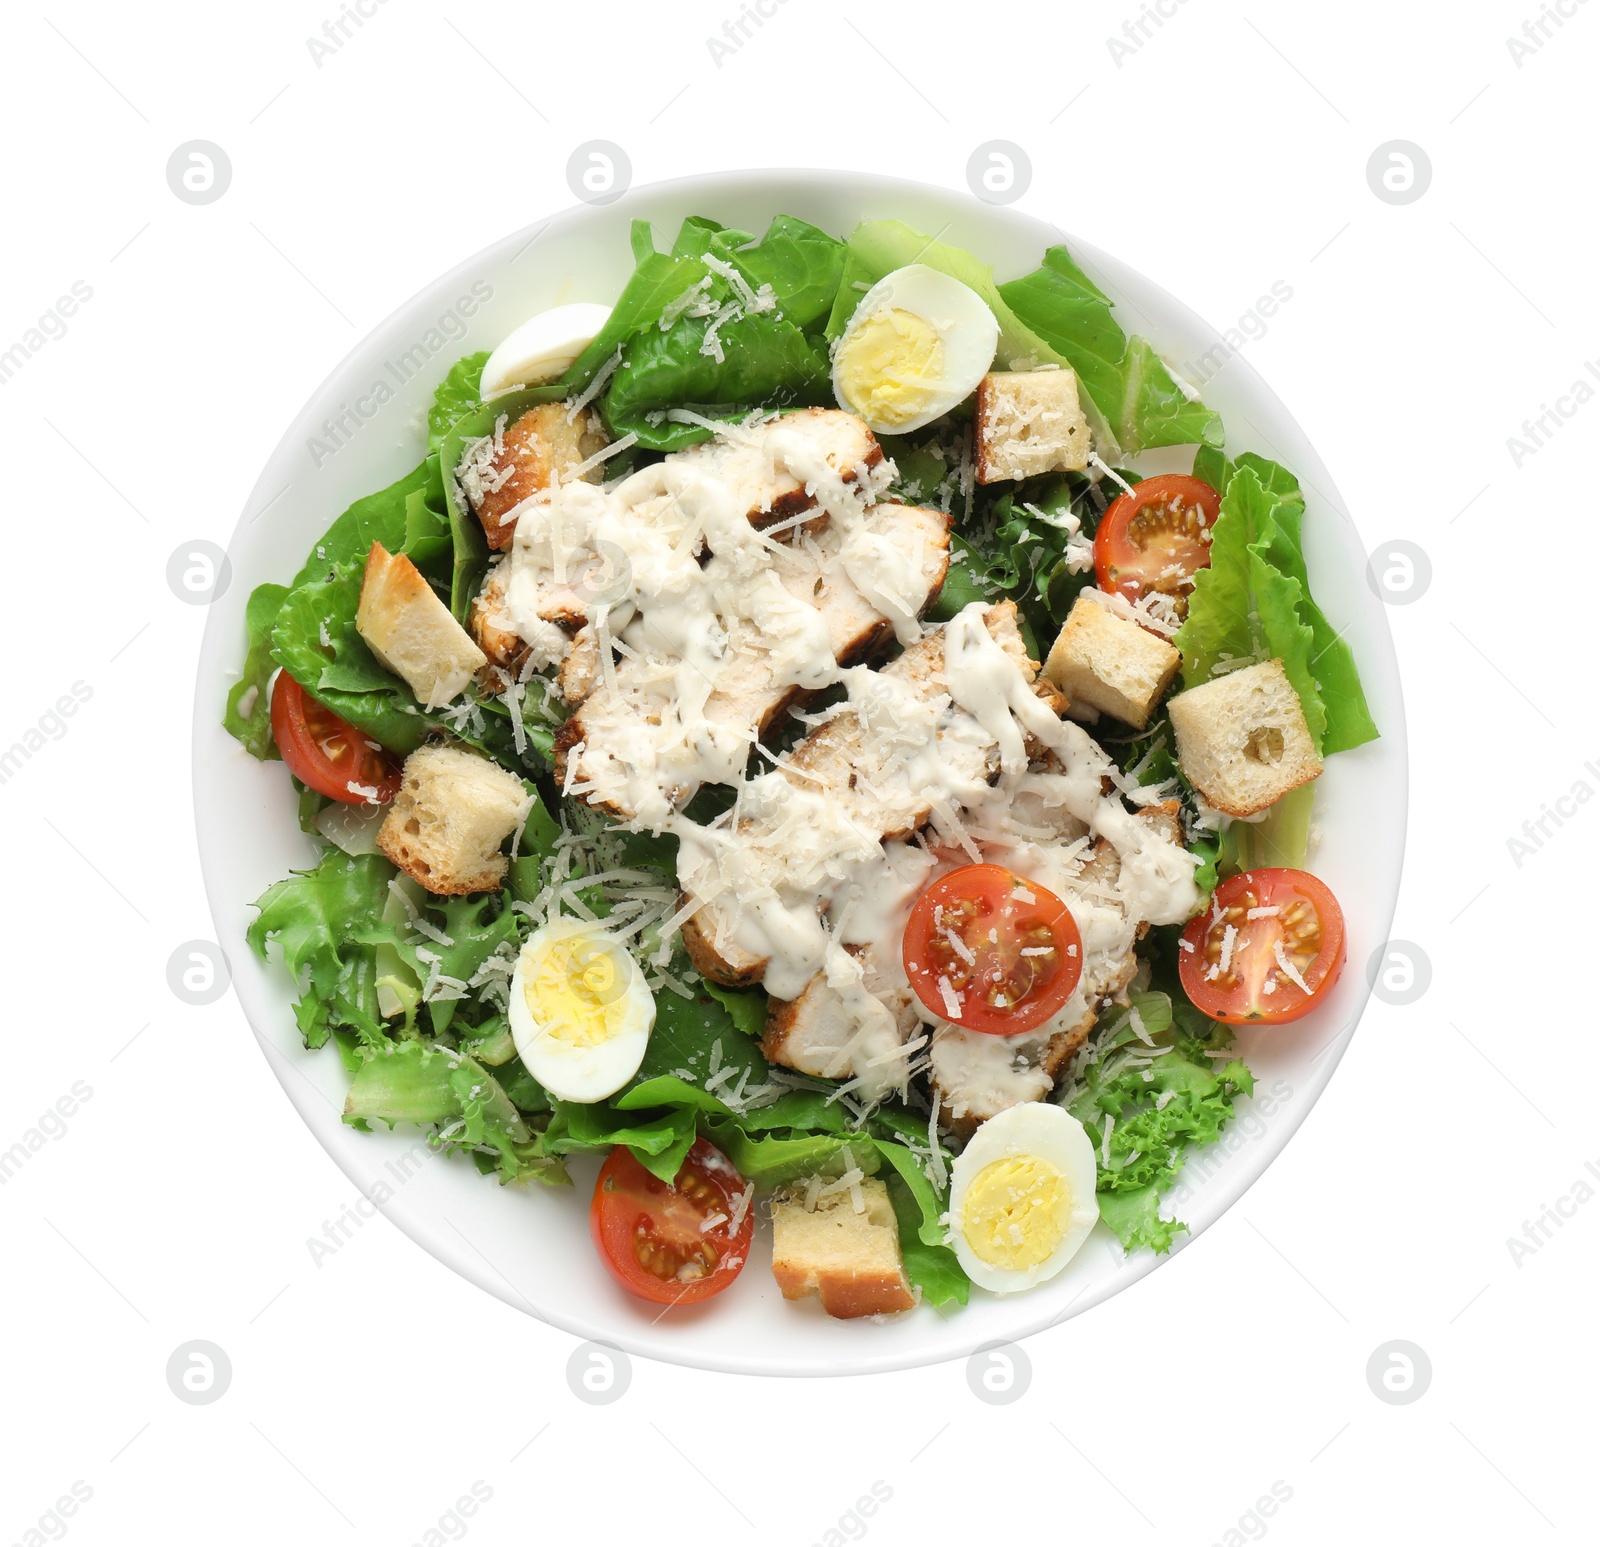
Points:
[(540, 449), (412, 632), (1030, 422), (850, 1260), (1110, 664), (453, 812), (1242, 739)]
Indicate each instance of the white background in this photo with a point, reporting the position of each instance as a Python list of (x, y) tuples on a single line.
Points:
[(1226, 152)]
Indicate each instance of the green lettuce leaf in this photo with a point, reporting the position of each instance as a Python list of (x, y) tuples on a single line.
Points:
[(254, 728), (455, 396), (919, 1211), (695, 1040), (1243, 607), (316, 917), (1273, 566), (767, 363), (408, 517), (659, 1143), (413, 1082), (774, 1159), (1185, 1103), (1134, 392), (802, 264)]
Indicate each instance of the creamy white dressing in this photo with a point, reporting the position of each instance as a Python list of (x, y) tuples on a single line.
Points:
[(713, 620), (810, 876), (808, 872)]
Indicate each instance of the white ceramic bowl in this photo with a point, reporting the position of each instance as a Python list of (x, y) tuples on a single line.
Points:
[(531, 1246)]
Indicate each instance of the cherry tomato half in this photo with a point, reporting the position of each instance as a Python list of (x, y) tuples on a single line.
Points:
[(674, 1245), (327, 754), (1155, 538), (1268, 949), (989, 951)]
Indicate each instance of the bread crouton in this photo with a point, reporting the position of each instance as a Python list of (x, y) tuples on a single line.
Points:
[(453, 812), (540, 448), (1029, 422), (1110, 664), (1243, 740), (412, 632), (850, 1260)]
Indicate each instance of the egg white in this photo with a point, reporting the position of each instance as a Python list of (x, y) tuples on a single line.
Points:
[(543, 347), (958, 317), (567, 1070), (1054, 1135)]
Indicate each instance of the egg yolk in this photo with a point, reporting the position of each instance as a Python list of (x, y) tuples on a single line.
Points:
[(577, 994), (887, 365), (1016, 1212)]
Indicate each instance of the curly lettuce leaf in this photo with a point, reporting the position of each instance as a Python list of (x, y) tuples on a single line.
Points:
[(248, 715), (474, 928), (1135, 393), (1153, 1122), (316, 916), (418, 1083)]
